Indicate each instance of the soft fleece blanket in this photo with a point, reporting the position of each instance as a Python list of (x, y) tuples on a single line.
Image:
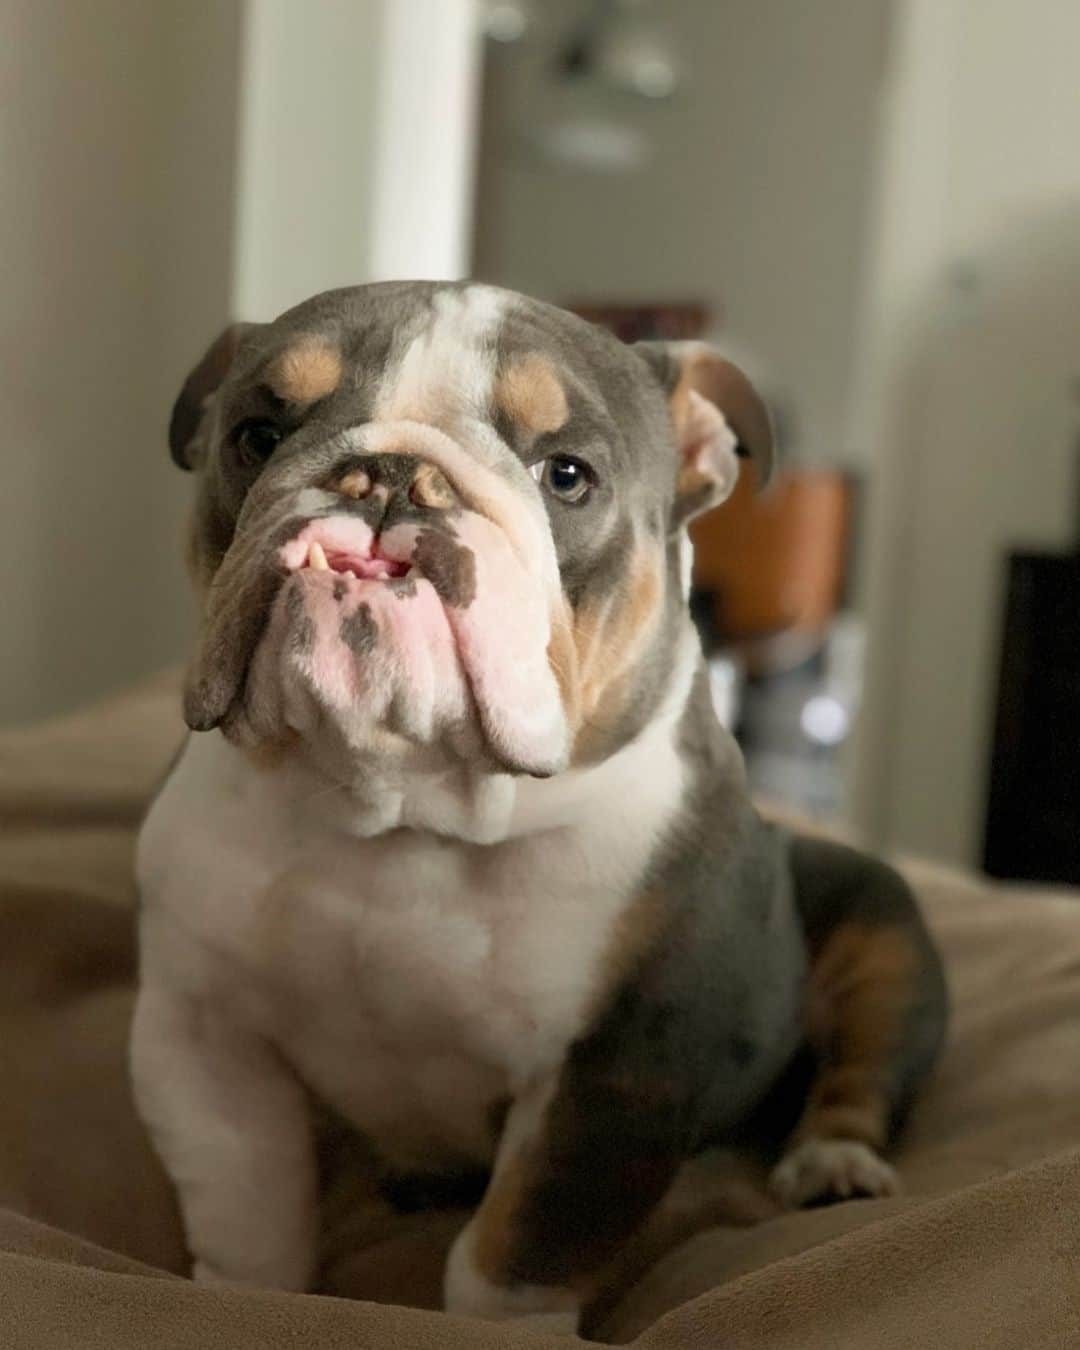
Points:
[(982, 1251)]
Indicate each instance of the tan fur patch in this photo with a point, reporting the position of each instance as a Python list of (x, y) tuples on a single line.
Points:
[(607, 642), (530, 393), (860, 991), (307, 371), (501, 1237), (431, 489), (495, 1225), (563, 660), (355, 485)]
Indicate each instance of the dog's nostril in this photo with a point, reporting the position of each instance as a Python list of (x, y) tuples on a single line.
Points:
[(430, 488), (355, 485)]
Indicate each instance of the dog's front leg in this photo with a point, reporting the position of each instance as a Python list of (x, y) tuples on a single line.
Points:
[(232, 1127), (582, 1161)]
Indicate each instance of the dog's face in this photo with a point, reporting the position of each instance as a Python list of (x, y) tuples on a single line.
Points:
[(446, 522)]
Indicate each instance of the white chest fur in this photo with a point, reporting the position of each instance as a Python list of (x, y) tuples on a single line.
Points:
[(411, 979)]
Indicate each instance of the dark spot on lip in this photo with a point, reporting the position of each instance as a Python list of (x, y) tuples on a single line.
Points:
[(448, 565), (403, 587), (301, 628), (340, 587), (359, 631)]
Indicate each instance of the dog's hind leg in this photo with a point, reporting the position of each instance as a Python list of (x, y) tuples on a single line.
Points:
[(875, 1017)]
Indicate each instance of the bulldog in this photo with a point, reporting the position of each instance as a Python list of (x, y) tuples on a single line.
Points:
[(458, 847)]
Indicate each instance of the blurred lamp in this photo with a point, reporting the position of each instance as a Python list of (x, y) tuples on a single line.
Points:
[(633, 56), (622, 44), (824, 720), (592, 145), (504, 20)]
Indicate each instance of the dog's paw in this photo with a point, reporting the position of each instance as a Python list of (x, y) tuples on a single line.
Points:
[(822, 1170), (467, 1291)]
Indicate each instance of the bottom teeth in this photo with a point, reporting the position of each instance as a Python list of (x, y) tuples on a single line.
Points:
[(364, 569)]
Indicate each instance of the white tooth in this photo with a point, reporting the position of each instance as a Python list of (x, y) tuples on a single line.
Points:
[(350, 573), (316, 558)]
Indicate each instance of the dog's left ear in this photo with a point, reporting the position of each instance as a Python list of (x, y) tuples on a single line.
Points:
[(719, 417), (200, 385)]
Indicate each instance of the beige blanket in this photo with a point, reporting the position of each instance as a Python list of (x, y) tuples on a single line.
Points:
[(983, 1251)]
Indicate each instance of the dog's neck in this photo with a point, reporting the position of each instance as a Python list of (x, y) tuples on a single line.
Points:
[(472, 804)]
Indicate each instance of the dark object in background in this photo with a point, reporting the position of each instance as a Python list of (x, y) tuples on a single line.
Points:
[(774, 565), (1033, 814), (674, 320)]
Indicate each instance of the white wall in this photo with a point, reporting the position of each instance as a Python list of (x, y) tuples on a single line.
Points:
[(754, 197), (307, 142), (356, 146), (973, 340), (428, 109), (165, 167), (115, 229)]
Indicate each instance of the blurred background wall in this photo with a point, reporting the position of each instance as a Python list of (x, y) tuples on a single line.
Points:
[(164, 167), (117, 165), (877, 202), (746, 188), (969, 395)]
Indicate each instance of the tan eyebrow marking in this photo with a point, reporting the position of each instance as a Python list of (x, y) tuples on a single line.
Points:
[(530, 393), (308, 370)]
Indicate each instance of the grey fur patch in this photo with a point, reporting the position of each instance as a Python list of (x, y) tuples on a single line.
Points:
[(448, 565), (301, 628), (359, 631)]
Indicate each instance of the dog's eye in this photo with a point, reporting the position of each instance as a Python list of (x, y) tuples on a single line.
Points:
[(564, 477), (256, 440)]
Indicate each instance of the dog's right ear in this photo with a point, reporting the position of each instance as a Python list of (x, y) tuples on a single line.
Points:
[(200, 385)]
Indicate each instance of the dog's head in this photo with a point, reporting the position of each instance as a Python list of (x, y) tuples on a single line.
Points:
[(446, 520)]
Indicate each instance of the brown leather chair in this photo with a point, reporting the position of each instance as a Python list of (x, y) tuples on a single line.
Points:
[(772, 564)]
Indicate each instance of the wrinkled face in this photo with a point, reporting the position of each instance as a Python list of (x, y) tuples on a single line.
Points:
[(443, 523)]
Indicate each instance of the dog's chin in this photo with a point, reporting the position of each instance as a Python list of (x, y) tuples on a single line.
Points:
[(426, 646), (364, 668)]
